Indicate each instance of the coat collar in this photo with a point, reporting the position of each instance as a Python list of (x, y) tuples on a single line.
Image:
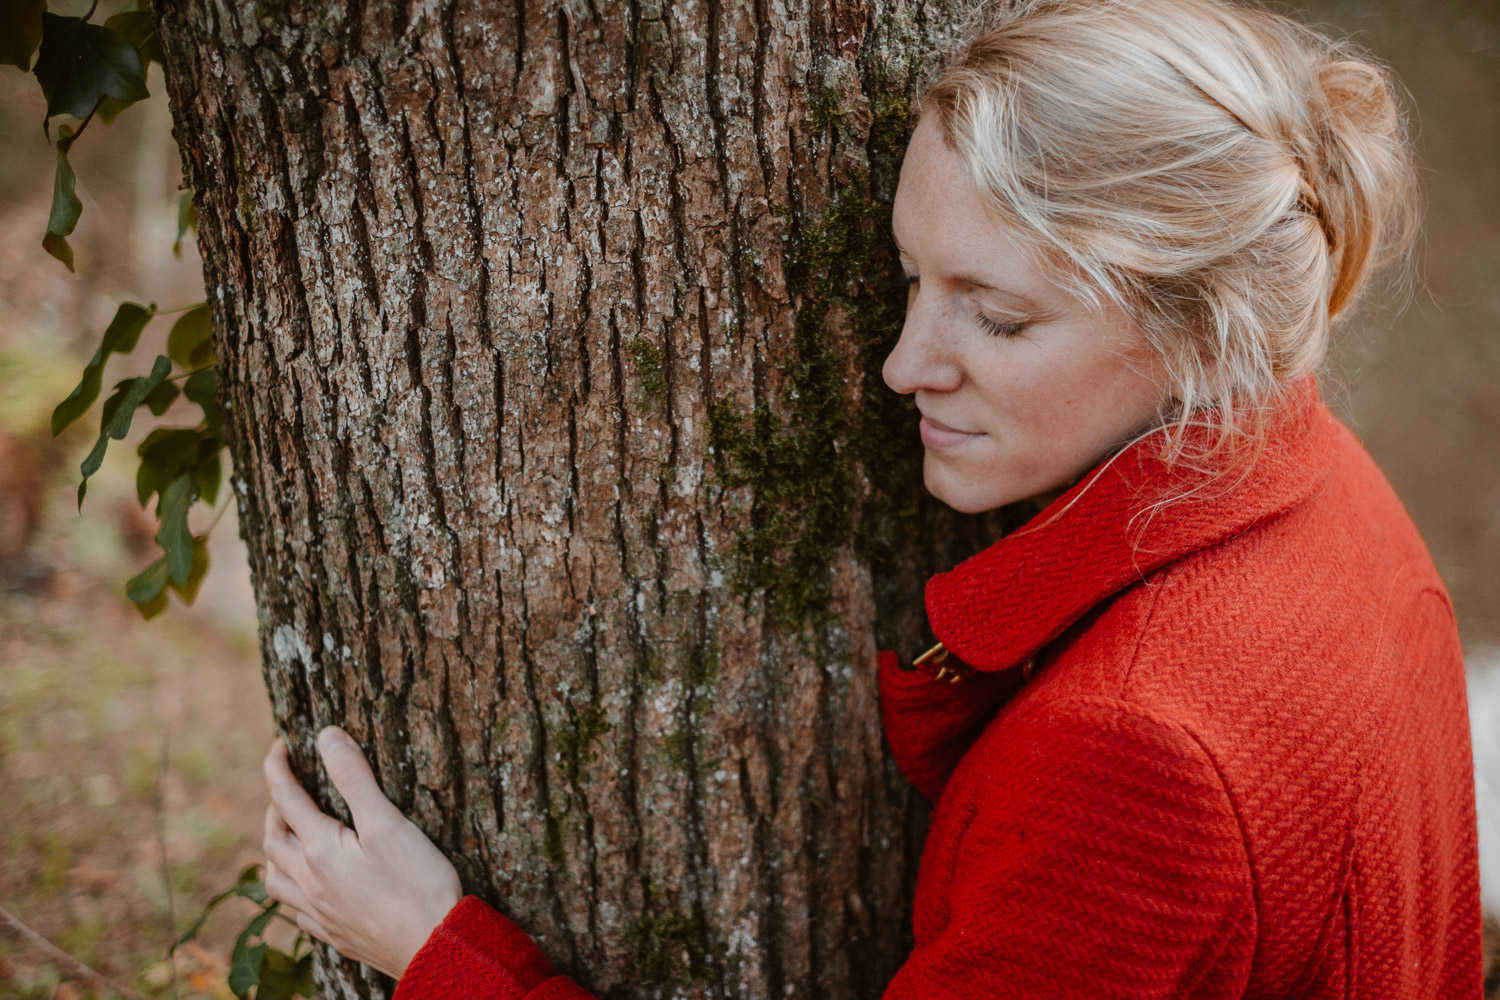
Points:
[(999, 607)]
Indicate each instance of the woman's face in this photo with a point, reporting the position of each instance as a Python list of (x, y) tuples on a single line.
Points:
[(1022, 387)]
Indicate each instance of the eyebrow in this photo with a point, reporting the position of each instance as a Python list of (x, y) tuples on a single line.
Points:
[(970, 279)]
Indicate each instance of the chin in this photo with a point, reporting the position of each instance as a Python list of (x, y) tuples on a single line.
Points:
[(966, 498)]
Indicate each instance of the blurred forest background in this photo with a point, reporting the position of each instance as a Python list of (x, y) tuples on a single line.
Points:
[(130, 789)]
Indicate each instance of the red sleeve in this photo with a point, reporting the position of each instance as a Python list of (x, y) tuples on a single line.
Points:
[(1104, 859), (477, 953), (930, 724)]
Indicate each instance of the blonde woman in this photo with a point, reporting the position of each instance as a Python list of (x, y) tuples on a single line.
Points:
[(1198, 729)]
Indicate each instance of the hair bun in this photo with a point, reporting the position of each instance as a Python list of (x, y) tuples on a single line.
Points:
[(1365, 187)]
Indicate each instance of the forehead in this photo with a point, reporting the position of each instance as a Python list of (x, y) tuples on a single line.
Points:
[(942, 223)]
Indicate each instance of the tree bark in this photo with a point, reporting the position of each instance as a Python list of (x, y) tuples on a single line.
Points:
[(549, 341)]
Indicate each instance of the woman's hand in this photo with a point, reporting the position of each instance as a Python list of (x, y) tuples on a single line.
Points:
[(376, 892)]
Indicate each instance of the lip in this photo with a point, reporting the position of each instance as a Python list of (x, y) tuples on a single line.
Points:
[(939, 435)]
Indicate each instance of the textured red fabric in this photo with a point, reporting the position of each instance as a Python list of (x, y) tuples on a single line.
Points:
[(477, 953), (1241, 767)]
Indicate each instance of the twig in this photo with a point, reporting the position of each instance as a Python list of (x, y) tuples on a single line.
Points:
[(166, 871), (10, 922)]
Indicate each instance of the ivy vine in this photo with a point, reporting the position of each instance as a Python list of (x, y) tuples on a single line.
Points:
[(91, 72)]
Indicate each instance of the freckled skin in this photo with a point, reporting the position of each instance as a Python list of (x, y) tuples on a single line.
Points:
[(1043, 406)]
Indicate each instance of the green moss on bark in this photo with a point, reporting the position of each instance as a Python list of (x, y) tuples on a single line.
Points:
[(673, 946), (575, 742), (650, 364), (796, 456)]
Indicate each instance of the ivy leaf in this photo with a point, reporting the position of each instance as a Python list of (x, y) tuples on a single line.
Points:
[(246, 960), (119, 338), (245, 971), (277, 977), (66, 208), (80, 62), (187, 218), (135, 27), (162, 397), (253, 889), (147, 589), (119, 425), (164, 453), (191, 342), (174, 537), (250, 876), (188, 589), (20, 31), (201, 387), (157, 400), (302, 976), (206, 476)]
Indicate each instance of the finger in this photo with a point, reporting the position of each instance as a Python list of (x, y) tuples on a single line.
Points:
[(351, 775), (308, 923), (282, 847), (297, 808), (276, 824), (284, 889)]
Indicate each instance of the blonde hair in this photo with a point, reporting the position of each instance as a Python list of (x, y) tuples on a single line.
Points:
[(1226, 175)]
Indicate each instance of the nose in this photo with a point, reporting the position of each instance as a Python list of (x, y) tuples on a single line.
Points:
[(923, 357)]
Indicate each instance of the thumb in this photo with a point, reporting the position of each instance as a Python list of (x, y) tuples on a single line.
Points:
[(350, 773)]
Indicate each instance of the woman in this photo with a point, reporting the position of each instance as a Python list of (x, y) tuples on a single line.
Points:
[(1199, 728)]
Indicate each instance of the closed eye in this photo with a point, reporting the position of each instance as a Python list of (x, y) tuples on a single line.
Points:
[(997, 329)]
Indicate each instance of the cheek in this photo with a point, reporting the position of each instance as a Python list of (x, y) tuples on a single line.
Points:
[(1053, 413)]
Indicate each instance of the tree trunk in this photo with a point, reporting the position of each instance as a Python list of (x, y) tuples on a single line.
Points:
[(550, 342)]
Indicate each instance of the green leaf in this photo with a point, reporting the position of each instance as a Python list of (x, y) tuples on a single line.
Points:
[(253, 889), (277, 976), (191, 342), (174, 537), (202, 388), (147, 589), (148, 582), (119, 425), (251, 875), (66, 208), (302, 976), (135, 27), (245, 971), (187, 218), (245, 960), (188, 590), (150, 609), (20, 31), (164, 453), (162, 397), (206, 475), (119, 338), (112, 404), (81, 62)]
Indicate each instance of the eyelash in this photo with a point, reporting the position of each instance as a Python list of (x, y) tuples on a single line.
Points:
[(993, 327), (998, 329)]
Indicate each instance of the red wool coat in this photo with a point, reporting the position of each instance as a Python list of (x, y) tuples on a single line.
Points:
[(1240, 766)]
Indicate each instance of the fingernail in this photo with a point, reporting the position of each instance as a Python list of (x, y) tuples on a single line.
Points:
[(332, 736)]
